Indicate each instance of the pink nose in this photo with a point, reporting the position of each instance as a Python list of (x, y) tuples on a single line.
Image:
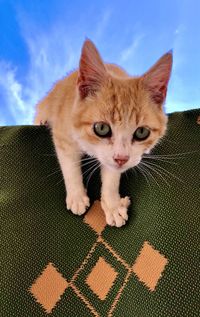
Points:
[(121, 160)]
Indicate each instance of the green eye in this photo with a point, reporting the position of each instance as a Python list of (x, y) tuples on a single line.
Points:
[(102, 129), (141, 134)]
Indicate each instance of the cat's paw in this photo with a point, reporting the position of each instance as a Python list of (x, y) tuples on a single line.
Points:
[(77, 203), (116, 214)]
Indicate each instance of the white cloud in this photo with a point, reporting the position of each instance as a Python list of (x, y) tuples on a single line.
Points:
[(13, 94), (102, 25), (52, 52), (178, 46), (181, 28), (131, 49), (55, 51), (51, 57)]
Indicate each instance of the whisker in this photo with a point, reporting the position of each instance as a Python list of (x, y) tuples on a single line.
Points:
[(167, 172), (90, 175), (58, 170), (143, 172), (165, 160), (61, 180), (126, 175), (175, 155), (149, 173), (80, 154), (88, 162), (85, 173), (88, 158), (83, 160), (91, 167), (156, 171)]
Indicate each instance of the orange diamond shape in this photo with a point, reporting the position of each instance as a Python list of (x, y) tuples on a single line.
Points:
[(48, 288), (95, 217), (149, 266), (101, 278)]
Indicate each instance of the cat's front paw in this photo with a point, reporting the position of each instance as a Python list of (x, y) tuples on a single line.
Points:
[(116, 213), (77, 203)]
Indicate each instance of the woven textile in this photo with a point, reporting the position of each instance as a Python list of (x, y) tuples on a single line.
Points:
[(58, 264)]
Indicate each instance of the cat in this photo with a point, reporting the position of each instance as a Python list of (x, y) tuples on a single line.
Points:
[(101, 111)]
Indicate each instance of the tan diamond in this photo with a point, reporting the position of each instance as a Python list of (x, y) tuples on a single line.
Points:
[(95, 217), (101, 278), (48, 287), (149, 266)]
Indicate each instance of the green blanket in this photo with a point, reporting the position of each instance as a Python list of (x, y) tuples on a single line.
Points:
[(58, 264)]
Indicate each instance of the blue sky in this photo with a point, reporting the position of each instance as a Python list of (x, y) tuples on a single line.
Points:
[(40, 42)]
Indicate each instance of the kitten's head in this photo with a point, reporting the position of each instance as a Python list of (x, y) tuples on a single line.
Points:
[(118, 118)]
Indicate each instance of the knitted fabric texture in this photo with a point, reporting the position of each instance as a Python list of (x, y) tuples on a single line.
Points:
[(58, 264)]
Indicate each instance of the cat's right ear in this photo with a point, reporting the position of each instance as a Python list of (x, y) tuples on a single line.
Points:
[(92, 72), (157, 77)]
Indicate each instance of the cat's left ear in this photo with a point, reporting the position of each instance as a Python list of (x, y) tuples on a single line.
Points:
[(157, 77), (92, 72)]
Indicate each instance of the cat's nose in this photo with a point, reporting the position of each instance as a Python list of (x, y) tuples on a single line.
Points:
[(121, 159)]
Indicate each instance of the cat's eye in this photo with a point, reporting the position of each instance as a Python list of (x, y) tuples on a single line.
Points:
[(102, 129), (141, 134)]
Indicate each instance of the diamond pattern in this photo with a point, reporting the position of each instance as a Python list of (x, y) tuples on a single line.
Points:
[(107, 270), (101, 278), (95, 218), (149, 266), (48, 288)]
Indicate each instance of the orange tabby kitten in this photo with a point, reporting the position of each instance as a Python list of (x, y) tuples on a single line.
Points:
[(102, 111)]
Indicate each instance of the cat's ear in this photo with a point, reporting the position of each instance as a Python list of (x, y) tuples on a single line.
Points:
[(92, 72), (157, 77)]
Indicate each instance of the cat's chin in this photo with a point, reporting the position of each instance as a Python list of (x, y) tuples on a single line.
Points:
[(116, 168)]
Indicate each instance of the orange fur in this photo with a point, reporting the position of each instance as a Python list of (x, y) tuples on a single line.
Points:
[(99, 92)]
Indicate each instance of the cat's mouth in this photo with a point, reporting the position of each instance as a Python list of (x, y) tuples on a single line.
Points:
[(124, 167), (116, 167)]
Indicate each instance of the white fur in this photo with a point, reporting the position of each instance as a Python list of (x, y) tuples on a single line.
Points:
[(114, 206)]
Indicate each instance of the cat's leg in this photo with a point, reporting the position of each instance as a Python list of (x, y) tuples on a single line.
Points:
[(70, 162), (114, 206)]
